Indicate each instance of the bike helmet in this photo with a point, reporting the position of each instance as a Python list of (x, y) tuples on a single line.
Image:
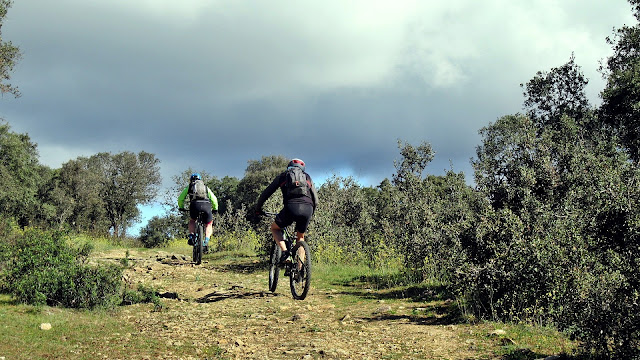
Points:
[(195, 176), (296, 162)]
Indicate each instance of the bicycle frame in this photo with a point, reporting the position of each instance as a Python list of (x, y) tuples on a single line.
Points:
[(200, 233), (298, 268)]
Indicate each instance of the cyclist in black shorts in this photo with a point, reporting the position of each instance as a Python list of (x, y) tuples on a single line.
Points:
[(300, 200), (201, 199)]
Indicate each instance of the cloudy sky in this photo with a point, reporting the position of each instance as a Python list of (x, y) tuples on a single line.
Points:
[(211, 84)]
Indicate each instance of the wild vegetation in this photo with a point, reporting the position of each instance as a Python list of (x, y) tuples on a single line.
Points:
[(548, 234)]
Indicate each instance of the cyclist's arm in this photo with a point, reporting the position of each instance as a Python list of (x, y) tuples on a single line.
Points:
[(213, 199), (266, 193), (314, 194), (182, 196)]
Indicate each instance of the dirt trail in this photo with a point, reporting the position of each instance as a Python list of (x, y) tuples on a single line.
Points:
[(226, 309)]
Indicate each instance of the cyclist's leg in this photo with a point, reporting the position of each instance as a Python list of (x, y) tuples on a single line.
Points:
[(205, 207), (192, 226), (282, 220), (277, 236), (302, 213), (193, 214), (209, 229), (300, 237)]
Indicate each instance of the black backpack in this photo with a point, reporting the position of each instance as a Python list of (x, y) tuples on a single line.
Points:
[(296, 183), (197, 190)]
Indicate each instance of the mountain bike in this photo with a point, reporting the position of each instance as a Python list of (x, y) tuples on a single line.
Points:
[(297, 267), (199, 237)]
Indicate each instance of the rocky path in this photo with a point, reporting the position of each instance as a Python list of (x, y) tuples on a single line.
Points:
[(224, 310)]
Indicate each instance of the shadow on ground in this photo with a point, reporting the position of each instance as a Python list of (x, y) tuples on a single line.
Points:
[(526, 354), (416, 293), (237, 264), (235, 292), (434, 304), (446, 319), (242, 268)]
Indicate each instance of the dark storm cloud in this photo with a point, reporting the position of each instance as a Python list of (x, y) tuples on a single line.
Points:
[(211, 85)]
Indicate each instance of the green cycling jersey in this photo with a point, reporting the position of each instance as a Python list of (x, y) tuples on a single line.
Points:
[(210, 195)]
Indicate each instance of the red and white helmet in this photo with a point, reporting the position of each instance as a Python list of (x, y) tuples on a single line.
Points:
[(296, 162)]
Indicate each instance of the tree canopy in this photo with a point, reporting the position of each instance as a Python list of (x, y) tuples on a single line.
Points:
[(549, 233), (9, 55)]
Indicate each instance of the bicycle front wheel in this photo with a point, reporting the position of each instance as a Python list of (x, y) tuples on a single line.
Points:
[(274, 271), (197, 247), (300, 278)]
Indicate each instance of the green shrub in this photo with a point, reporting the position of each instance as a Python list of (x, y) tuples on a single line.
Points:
[(343, 226), (327, 252), (39, 267), (8, 231), (143, 294), (232, 232), (246, 240), (603, 313), (160, 230)]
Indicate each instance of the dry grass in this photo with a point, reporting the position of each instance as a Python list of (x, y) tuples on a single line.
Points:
[(223, 310)]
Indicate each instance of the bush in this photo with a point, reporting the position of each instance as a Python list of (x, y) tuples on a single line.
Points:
[(343, 226), (603, 313), (232, 232), (143, 294), (246, 240), (39, 267), (8, 231), (160, 230), (562, 242)]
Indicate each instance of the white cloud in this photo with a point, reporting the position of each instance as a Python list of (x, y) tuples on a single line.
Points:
[(169, 10), (309, 46), (235, 50), (54, 155), (115, 65)]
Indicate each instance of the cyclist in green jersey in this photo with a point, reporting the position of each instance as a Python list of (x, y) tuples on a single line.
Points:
[(201, 199)]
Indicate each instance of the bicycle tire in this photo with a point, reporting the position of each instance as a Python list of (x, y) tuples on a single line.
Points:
[(197, 247), (274, 270), (300, 279)]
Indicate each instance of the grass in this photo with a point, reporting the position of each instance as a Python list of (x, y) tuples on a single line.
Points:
[(91, 334), (81, 335), (102, 243), (77, 334), (519, 341), (378, 284)]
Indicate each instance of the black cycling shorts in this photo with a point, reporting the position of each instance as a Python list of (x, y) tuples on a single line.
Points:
[(198, 206), (300, 213)]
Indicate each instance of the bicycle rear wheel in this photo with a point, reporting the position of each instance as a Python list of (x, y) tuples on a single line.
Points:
[(300, 278), (274, 271), (197, 247)]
